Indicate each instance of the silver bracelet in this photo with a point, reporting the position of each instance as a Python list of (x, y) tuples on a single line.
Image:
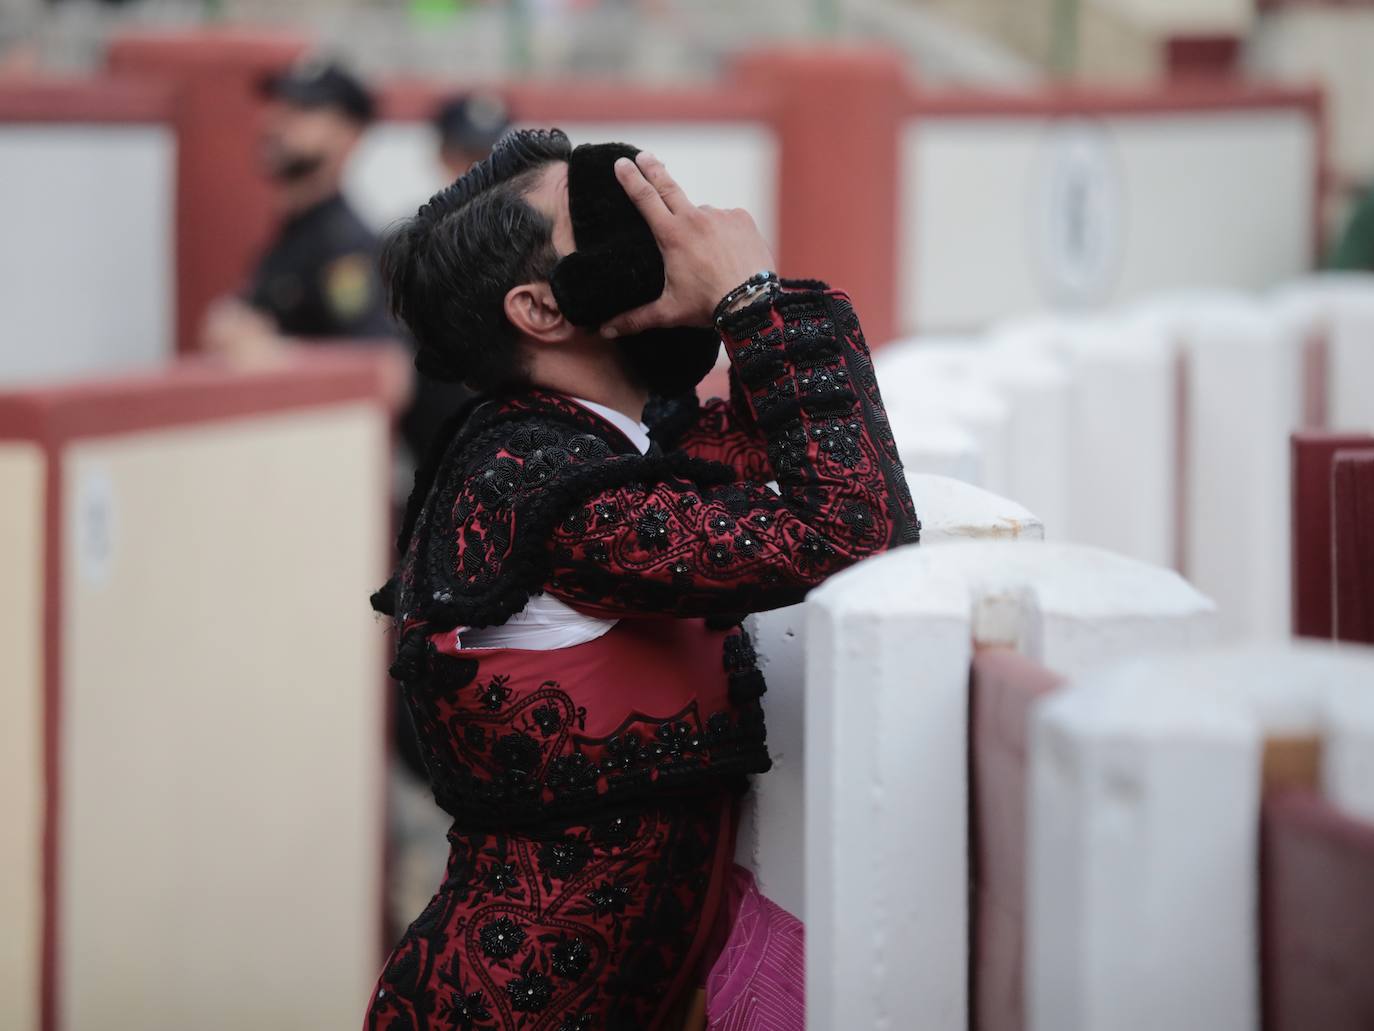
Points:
[(765, 281)]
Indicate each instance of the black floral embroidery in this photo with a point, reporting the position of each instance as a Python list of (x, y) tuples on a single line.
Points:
[(652, 527), (815, 549), (823, 381), (531, 993), (746, 544), (673, 739), (496, 693), (719, 524), (787, 452), (503, 877), (719, 554), (564, 857), (570, 957), (547, 719), (465, 1011), (839, 441), (572, 772), (857, 516), (502, 938), (582, 1022), (609, 898), (624, 751)]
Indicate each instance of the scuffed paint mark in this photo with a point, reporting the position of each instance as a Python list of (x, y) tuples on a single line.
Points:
[(1005, 527)]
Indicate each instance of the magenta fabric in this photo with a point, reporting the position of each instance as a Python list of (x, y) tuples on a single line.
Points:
[(759, 981)]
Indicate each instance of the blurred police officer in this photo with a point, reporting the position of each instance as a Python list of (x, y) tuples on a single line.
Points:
[(468, 127), (318, 278)]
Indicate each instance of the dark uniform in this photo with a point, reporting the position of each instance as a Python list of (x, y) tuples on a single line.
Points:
[(319, 277), (319, 280)]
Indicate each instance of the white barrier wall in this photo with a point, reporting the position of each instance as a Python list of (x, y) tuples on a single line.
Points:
[(725, 164), (772, 841), (943, 381), (1145, 793), (1120, 450), (1158, 430), (1006, 213), (1016, 402), (888, 650), (1329, 319), (86, 248), (1242, 386)]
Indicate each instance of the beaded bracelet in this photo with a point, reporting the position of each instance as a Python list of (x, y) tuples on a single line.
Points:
[(759, 282)]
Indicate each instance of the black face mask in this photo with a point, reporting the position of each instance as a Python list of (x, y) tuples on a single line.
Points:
[(293, 166), (617, 267)]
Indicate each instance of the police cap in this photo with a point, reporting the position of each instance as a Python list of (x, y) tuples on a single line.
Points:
[(473, 122), (315, 82)]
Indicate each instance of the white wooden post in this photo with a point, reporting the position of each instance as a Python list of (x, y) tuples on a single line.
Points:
[(887, 666), (771, 839), (1241, 384), (942, 379), (1121, 449), (1329, 319), (936, 446), (1143, 832)]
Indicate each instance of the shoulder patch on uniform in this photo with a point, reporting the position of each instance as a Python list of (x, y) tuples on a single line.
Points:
[(348, 285)]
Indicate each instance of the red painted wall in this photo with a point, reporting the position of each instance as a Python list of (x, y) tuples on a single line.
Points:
[(224, 212)]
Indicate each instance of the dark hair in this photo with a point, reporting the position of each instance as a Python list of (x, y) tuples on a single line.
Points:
[(448, 269)]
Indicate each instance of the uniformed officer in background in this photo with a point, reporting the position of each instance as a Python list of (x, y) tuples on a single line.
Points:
[(318, 278), (468, 127)]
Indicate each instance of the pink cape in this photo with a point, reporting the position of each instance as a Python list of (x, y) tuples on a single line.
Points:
[(759, 981)]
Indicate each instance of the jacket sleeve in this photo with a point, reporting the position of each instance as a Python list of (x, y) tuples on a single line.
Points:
[(702, 540)]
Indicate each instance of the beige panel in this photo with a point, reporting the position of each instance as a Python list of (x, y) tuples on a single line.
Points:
[(22, 469), (223, 725)]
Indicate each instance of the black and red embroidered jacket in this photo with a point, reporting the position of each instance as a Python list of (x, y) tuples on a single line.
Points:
[(536, 493)]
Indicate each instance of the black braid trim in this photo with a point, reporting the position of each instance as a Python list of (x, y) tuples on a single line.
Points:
[(529, 564)]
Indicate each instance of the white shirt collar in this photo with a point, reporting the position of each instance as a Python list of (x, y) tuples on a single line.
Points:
[(637, 432)]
